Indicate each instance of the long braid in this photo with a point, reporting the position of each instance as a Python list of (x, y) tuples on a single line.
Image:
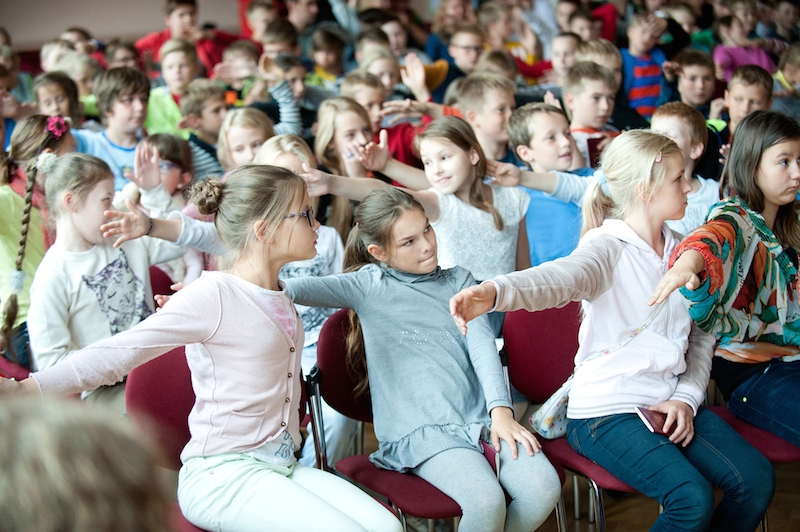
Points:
[(17, 276)]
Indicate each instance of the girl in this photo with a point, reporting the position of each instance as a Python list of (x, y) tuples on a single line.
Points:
[(56, 94), (739, 273), (340, 122), (633, 356), (382, 63), (36, 141), (391, 256), (241, 135), (291, 152), (239, 472), (85, 290)]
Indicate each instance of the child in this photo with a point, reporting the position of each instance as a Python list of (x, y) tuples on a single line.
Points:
[(582, 24), (398, 39), (239, 87), (280, 37), (51, 51), (729, 55), (180, 17), (21, 82), (749, 89), (748, 295), (382, 63), (641, 62), (664, 364), (564, 10), (540, 136), (236, 325), (391, 256), (327, 51), (787, 79), (82, 70), (497, 24), (57, 95), (589, 92), (179, 67), (486, 102), (204, 109), (291, 152), (22, 237), (689, 79), (85, 290), (449, 14), (259, 14), (785, 14), (308, 98), (119, 53), (686, 127), (465, 48), (241, 135), (122, 95)]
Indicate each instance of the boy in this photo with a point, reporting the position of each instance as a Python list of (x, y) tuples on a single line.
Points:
[(589, 93), (581, 23), (540, 136), (259, 14), (81, 69), (180, 17), (239, 85), (564, 10), (178, 68), (466, 46), (398, 39), (120, 53), (642, 60), (686, 126), (605, 54), (784, 18), (280, 37), (327, 51), (689, 79), (308, 98), (122, 95), (204, 108), (51, 51), (486, 102)]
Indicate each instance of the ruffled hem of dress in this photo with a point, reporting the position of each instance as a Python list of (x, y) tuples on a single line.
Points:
[(426, 441)]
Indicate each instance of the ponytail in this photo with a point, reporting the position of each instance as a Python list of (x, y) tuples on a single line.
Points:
[(478, 200), (596, 206)]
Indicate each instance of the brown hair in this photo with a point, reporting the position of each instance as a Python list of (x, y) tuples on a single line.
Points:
[(583, 71), (596, 47), (62, 80), (520, 124), (243, 48), (69, 468), (693, 119), (358, 80), (253, 5), (178, 45), (374, 221), (174, 149), (171, 5), (30, 138), (476, 88), (752, 75), (457, 131), (118, 44), (117, 83), (757, 132), (281, 30), (497, 62), (198, 93), (690, 57), (328, 38)]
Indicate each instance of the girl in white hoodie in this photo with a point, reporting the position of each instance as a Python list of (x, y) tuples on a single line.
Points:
[(637, 355)]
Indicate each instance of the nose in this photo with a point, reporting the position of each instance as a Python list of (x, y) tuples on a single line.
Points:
[(563, 141), (362, 139), (604, 105)]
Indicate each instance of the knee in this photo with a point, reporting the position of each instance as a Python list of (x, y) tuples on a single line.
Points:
[(756, 484), (488, 503), (691, 504)]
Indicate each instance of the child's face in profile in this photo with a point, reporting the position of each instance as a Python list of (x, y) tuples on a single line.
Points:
[(412, 244), (212, 116), (53, 100), (562, 54), (386, 70), (129, 112), (675, 129), (583, 28), (786, 15), (592, 106), (748, 17), (551, 145), (696, 84), (741, 100), (491, 121), (350, 127), (372, 101), (564, 10), (296, 79), (177, 70), (668, 201)]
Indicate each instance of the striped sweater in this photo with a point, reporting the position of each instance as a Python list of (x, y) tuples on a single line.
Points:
[(642, 80)]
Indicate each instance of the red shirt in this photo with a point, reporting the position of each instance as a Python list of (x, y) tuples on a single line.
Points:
[(209, 51)]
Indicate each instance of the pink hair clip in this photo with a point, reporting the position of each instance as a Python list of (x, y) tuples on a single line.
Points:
[(57, 126), (658, 157)]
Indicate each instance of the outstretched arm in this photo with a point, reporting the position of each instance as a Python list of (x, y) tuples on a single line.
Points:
[(683, 273)]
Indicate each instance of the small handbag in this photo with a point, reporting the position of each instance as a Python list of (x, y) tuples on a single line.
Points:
[(550, 421)]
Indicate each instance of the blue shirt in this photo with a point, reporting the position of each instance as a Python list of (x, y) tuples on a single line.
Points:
[(96, 143)]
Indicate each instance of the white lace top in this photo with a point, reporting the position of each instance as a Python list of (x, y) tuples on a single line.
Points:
[(467, 236)]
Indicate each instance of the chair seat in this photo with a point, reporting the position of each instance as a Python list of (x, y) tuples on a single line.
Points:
[(559, 451), (773, 447), (178, 522), (408, 492)]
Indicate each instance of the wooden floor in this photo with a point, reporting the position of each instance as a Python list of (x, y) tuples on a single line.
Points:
[(635, 512)]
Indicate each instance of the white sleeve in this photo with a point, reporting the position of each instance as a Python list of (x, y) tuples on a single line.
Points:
[(49, 317), (571, 188), (156, 200), (200, 235)]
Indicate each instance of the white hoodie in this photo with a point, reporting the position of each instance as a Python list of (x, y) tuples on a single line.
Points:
[(613, 272)]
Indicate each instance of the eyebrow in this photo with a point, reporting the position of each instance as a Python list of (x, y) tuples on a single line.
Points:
[(405, 239)]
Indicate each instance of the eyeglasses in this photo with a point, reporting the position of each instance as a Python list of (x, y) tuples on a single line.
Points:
[(307, 214), (166, 166), (473, 49)]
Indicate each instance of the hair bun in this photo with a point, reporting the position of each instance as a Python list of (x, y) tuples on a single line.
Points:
[(207, 195)]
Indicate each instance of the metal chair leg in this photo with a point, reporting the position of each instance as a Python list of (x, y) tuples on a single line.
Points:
[(764, 523), (561, 515), (576, 497), (591, 502), (456, 523), (431, 525), (597, 494), (401, 516)]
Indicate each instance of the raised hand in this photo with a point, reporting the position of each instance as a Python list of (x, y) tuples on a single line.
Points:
[(269, 71), (671, 70), (127, 225), (549, 98), (505, 174), (146, 173), (318, 182), (413, 77), (472, 302), (236, 69), (374, 156)]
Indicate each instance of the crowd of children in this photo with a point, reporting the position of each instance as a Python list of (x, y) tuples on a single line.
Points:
[(640, 157)]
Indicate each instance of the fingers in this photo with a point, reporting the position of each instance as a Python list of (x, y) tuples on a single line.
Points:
[(495, 440), (177, 286), (383, 139)]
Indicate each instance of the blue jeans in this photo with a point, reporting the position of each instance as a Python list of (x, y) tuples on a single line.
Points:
[(679, 478), (768, 400)]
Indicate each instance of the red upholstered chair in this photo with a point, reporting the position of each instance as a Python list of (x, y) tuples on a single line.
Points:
[(407, 493), (774, 448), (540, 349), (160, 282)]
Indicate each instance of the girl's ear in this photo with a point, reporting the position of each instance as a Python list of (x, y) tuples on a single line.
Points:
[(186, 178), (260, 230), (70, 202), (378, 252), (474, 157)]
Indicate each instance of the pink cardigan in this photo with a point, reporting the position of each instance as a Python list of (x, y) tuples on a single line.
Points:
[(245, 367)]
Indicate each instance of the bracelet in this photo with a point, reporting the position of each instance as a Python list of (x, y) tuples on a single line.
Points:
[(150, 229)]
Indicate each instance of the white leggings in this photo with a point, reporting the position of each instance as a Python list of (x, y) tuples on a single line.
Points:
[(465, 475), (238, 493)]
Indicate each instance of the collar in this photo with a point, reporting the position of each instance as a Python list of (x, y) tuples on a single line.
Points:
[(405, 277)]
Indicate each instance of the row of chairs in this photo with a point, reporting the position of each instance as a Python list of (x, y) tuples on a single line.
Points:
[(539, 348)]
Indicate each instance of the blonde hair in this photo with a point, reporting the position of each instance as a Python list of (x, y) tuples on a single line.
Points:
[(77, 173), (790, 57), (198, 93), (634, 161), (341, 217), (520, 124), (376, 53), (70, 468), (497, 62), (374, 221), (251, 192), (456, 131), (357, 80), (178, 45), (584, 71), (597, 48), (74, 64), (30, 138), (476, 88), (490, 13), (281, 144), (243, 117)]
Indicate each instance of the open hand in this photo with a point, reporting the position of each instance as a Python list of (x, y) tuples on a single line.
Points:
[(549, 98), (671, 70), (679, 414), (716, 108), (127, 225), (506, 428), (374, 156), (318, 182), (505, 174), (671, 282), (146, 173), (471, 302), (269, 70), (413, 76), (235, 70)]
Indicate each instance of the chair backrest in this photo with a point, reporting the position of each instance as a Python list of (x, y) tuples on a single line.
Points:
[(335, 382), (160, 282), (540, 348), (161, 393)]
